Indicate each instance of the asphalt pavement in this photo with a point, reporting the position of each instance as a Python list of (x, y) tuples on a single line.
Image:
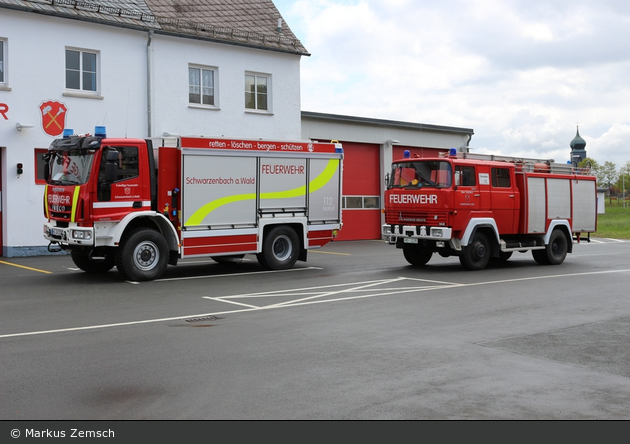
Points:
[(353, 333)]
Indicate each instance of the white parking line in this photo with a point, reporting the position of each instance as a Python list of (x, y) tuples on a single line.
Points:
[(318, 295), (209, 276)]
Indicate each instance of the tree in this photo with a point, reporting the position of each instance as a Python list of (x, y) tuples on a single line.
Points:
[(623, 181), (595, 168), (609, 175)]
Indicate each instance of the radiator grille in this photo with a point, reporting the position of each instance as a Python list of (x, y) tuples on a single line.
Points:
[(416, 218)]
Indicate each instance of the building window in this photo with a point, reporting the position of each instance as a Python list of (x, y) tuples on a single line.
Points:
[(361, 202), (201, 86), (81, 70), (257, 92), (3, 63), (40, 166)]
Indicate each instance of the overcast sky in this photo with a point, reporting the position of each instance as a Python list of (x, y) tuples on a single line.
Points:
[(522, 74)]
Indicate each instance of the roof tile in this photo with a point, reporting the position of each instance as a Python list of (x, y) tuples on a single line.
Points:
[(247, 22)]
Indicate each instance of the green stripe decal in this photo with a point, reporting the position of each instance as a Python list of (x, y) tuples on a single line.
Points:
[(75, 198), (46, 201), (315, 184)]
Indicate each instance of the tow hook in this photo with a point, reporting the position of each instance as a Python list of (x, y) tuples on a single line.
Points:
[(57, 247)]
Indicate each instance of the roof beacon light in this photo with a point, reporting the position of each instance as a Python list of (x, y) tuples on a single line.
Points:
[(99, 131), (407, 154), (452, 152), (67, 132)]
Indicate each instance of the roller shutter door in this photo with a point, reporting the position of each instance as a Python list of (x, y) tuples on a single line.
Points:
[(361, 193)]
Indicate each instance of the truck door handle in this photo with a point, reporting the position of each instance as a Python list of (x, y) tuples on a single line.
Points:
[(137, 204), (511, 195)]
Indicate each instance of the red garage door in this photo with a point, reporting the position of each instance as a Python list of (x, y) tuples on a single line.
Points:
[(361, 193)]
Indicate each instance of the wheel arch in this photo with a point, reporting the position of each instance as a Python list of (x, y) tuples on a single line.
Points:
[(565, 227), (487, 226), (147, 219), (299, 229)]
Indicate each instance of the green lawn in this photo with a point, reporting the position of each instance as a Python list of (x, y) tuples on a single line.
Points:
[(615, 223)]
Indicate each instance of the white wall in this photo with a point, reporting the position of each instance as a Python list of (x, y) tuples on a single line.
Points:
[(36, 73), (35, 62), (172, 113)]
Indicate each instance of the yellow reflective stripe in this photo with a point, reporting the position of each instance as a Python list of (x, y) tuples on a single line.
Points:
[(46, 202), (315, 184), (75, 199)]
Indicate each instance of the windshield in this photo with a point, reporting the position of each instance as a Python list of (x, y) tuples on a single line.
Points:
[(421, 173), (70, 167)]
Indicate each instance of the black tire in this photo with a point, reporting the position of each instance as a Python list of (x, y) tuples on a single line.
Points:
[(477, 253), (540, 256), (143, 255), (83, 260), (416, 255), (281, 248), (557, 248)]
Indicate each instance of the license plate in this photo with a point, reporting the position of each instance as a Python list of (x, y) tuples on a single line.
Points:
[(56, 232), (410, 240)]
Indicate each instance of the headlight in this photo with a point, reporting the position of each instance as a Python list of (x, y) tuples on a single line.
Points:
[(80, 234), (436, 233)]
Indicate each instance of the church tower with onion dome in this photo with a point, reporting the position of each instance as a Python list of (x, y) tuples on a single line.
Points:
[(578, 145)]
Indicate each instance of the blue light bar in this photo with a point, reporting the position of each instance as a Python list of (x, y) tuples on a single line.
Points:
[(99, 131)]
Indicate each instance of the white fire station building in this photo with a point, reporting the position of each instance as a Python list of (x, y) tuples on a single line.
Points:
[(149, 68)]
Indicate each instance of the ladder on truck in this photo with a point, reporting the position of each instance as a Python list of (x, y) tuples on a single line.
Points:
[(525, 164)]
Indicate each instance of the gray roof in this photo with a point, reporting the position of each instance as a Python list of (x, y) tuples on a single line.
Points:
[(250, 23)]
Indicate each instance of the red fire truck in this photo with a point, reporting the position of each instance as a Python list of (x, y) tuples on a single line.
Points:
[(140, 204), (485, 207)]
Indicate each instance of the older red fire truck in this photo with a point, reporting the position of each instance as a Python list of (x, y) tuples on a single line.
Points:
[(485, 207), (140, 204)]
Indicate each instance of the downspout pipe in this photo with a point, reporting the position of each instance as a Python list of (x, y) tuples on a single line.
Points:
[(149, 103)]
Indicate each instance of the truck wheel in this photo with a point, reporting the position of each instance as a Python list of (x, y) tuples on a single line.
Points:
[(281, 248), (540, 256), (557, 248), (84, 261), (476, 253), (143, 255), (416, 255)]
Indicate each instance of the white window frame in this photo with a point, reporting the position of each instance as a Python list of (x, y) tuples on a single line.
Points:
[(364, 203), (4, 80), (215, 87), (256, 109), (81, 91)]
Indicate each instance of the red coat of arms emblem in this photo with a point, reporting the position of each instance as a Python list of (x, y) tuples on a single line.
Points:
[(53, 117)]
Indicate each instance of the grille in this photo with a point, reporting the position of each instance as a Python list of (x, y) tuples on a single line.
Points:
[(416, 218)]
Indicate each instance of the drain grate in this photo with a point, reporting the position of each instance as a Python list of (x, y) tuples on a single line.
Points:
[(204, 318)]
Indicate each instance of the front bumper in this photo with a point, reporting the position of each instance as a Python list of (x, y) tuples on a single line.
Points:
[(71, 235), (414, 233)]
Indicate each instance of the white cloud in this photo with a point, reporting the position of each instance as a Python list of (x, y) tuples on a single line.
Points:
[(522, 74)]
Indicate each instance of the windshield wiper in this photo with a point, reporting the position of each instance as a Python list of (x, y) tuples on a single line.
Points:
[(63, 182)]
